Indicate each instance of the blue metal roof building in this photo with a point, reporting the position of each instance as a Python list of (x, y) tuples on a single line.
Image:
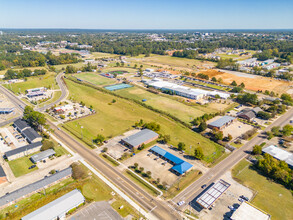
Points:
[(180, 166)]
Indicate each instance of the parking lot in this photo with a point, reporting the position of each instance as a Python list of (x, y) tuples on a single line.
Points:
[(231, 198), (98, 210), (10, 139), (236, 129), (159, 167), (115, 148)]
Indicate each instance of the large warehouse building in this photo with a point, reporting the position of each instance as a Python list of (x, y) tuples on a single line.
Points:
[(26, 131), (142, 137), (58, 208)]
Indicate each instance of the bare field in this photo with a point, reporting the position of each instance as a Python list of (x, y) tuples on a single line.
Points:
[(252, 82)]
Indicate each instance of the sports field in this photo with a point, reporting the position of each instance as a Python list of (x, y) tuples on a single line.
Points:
[(47, 80), (95, 78), (183, 112), (113, 119), (271, 197)]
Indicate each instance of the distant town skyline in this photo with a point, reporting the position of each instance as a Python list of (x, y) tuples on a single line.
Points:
[(151, 14)]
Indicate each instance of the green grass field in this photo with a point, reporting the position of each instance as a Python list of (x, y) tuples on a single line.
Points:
[(183, 112), (55, 97), (111, 120), (103, 55), (128, 69), (47, 80), (271, 197), (21, 166), (95, 78), (77, 65)]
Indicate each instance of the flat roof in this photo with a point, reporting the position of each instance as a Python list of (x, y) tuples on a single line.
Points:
[(248, 211), (43, 155), (12, 196), (58, 207), (222, 121), (213, 193), (140, 137), (23, 149), (180, 166), (279, 154)]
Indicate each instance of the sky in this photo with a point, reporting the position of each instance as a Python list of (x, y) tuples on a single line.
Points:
[(147, 14)]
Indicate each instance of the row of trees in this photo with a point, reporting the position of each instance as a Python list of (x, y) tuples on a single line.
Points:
[(14, 74), (34, 118)]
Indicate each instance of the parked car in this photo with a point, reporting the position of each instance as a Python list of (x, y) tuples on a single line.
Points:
[(204, 186), (32, 166), (244, 198), (231, 208), (240, 200), (180, 203)]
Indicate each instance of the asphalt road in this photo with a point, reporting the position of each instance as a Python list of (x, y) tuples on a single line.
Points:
[(158, 208), (63, 93), (217, 171)]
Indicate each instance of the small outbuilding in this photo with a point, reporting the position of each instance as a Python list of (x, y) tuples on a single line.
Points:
[(42, 156), (248, 211)]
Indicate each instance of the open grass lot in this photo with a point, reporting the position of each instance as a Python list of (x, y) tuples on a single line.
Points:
[(114, 119), (47, 80), (102, 55), (77, 65), (95, 78), (21, 166), (173, 61), (183, 112), (55, 97), (271, 197), (128, 69), (92, 188)]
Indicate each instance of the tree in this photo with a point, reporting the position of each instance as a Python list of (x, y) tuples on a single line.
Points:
[(234, 83), (149, 174), (141, 169), (219, 135), (229, 137), (34, 118), (202, 126), (135, 66), (242, 85), (135, 165), (166, 138), (264, 115), (198, 153), (152, 126), (270, 135), (78, 172), (181, 146), (257, 149), (214, 79), (99, 139), (287, 130), (47, 145)]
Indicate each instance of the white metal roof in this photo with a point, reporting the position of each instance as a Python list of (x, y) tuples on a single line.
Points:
[(213, 193), (57, 207), (277, 152)]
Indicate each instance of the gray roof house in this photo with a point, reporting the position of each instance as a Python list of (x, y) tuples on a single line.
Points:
[(58, 208), (25, 150), (43, 155), (142, 137), (31, 135), (21, 125)]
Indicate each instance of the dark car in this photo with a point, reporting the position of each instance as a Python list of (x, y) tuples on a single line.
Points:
[(32, 166), (244, 198), (204, 186)]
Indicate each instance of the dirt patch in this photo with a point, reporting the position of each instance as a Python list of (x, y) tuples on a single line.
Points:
[(255, 84)]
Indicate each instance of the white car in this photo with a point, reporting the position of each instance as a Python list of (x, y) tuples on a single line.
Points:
[(180, 203)]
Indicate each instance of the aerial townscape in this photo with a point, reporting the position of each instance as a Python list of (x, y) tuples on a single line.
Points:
[(146, 110)]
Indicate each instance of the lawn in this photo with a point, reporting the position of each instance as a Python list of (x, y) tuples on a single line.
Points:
[(63, 66), (47, 80), (112, 119), (92, 188), (174, 61), (103, 55), (183, 112), (95, 78), (271, 197), (21, 166), (55, 97), (128, 69)]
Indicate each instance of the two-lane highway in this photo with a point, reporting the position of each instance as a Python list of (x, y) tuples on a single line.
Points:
[(217, 171)]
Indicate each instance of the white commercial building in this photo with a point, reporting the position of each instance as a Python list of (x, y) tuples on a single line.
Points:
[(184, 90), (58, 208), (279, 154)]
